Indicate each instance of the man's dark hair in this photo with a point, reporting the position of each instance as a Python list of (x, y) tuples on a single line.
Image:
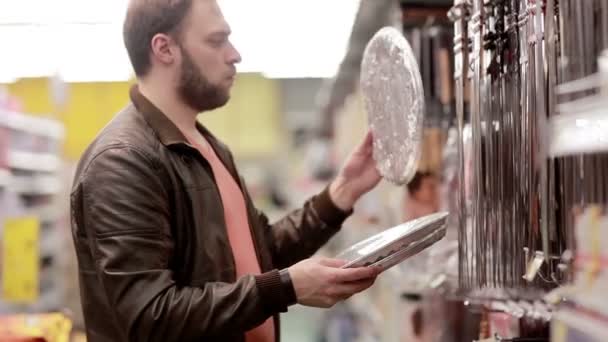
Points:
[(146, 18), (416, 182)]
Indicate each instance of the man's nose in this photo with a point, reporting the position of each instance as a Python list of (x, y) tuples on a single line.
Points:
[(234, 57)]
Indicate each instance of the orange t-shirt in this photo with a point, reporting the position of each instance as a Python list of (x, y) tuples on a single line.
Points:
[(237, 226)]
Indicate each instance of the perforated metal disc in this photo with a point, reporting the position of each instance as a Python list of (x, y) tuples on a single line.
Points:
[(394, 100)]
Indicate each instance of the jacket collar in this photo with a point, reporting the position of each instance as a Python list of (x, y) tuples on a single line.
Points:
[(168, 133), (164, 128)]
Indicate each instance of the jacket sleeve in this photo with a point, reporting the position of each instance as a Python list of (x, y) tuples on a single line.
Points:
[(126, 218), (301, 233)]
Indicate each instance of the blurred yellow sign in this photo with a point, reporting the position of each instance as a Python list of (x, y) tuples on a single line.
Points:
[(20, 259)]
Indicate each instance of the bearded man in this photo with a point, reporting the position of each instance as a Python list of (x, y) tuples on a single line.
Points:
[(169, 244)]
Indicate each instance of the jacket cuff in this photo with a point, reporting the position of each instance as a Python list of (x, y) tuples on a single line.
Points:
[(327, 210), (290, 291), (273, 291)]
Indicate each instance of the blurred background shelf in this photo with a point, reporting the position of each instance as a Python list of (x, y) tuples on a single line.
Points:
[(32, 161), (31, 180), (5, 178)]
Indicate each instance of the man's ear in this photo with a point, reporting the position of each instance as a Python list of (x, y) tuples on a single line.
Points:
[(163, 49)]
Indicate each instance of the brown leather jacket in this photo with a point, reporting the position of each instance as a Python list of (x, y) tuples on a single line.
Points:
[(154, 259)]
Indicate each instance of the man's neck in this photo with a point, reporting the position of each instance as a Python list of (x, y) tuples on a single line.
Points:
[(170, 105)]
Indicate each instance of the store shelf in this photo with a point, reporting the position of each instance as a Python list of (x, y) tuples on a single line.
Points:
[(51, 244), (33, 185), (31, 179), (427, 3), (49, 212), (34, 125), (594, 306), (578, 133), (37, 185), (42, 162), (578, 325), (415, 12), (5, 178)]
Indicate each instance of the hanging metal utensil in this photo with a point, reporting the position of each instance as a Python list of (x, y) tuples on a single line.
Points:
[(519, 202), (512, 98), (541, 122), (478, 107), (460, 15)]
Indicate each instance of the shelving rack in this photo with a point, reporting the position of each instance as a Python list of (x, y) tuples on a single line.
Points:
[(30, 184)]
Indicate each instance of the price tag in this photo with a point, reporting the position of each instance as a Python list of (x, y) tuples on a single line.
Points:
[(20, 260)]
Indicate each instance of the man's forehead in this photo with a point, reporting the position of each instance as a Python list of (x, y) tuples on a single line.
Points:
[(208, 14)]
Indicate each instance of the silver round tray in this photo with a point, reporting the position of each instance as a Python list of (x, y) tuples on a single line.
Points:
[(396, 244), (393, 95)]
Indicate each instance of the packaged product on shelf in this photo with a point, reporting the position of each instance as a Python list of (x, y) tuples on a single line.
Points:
[(52, 327)]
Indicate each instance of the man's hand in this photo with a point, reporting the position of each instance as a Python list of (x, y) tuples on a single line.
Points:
[(358, 176), (322, 283)]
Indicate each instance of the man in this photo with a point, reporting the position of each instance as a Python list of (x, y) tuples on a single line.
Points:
[(169, 244)]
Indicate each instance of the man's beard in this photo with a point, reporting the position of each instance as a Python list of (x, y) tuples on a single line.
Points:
[(196, 90)]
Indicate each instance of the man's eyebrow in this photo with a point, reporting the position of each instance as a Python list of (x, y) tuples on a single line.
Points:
[(220, 33)]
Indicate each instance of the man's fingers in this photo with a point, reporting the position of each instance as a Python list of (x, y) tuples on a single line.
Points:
[(369, 138), (366, 145), (363, 285), (335, 263), (354, 274), (344, 291)]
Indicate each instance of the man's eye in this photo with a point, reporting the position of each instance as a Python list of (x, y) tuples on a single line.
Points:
[(218, 42)]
